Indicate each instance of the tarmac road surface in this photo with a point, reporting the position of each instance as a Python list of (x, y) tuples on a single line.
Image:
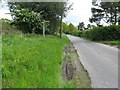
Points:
[(101, 62)]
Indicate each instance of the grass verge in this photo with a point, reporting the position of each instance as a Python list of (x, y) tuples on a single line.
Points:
[(31, 61), (73, 69), (111, 43)]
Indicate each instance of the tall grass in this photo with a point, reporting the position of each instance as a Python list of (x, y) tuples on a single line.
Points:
[(31, 61)]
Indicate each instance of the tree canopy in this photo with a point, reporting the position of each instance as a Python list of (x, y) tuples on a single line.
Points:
[(107, 12), (81, 26), (51, 11)]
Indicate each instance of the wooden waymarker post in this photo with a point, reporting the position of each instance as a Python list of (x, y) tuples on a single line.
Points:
[(44, 27)]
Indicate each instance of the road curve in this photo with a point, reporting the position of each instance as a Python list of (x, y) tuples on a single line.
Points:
[(101, 62)]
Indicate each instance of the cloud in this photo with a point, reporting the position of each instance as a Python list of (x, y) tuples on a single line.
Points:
[(81, 12), (3, 14)]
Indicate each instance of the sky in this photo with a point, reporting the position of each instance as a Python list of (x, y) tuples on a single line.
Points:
[(81, 12)]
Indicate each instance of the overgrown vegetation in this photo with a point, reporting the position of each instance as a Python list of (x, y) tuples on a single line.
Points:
[(31, 61), (7, 28)]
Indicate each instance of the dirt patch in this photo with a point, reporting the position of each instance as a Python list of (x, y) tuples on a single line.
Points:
[(116, 46), (68, 70), (119, 46), (73, 70)]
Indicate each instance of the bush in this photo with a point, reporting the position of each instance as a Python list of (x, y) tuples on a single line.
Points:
[(103, 33)]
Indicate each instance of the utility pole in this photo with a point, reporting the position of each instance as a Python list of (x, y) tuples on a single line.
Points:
[(44, 27)]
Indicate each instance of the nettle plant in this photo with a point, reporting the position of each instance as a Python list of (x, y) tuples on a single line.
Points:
[(28, 21)]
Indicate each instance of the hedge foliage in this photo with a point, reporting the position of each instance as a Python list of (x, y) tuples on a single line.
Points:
[(103, 33)]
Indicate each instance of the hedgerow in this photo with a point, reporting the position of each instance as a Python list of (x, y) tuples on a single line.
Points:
[(103, 33)]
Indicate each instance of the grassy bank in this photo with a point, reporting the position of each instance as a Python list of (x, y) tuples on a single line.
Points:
[(31, 61)]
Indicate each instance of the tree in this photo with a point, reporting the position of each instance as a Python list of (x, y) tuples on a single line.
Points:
[(89, 26), (52, 11), (81, 26), (28, 21), (65, 28), (71, 28), (107, 12)]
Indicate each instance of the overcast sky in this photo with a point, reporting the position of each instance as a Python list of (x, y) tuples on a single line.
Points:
[(80, 13)]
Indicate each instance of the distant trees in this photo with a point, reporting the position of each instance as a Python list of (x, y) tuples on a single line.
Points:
[(65, 28), (51, 11), (81, 26), (69, 28), (107, 12), (89, 26)]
